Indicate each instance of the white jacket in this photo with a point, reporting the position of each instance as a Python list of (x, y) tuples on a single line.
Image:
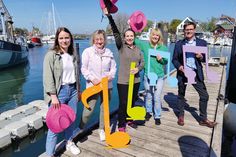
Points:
[(95, 65)]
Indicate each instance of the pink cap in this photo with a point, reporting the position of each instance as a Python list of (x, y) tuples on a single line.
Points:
[(112, 9), (138, 21)]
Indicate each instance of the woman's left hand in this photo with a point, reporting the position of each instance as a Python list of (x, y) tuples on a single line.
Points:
[(134, 71)]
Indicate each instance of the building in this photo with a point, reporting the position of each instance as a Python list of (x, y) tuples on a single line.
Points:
[(224, 26), (180, 28)]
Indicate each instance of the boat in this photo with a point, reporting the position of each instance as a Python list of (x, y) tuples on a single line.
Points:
[(36, 41), (13, 50), (49, 38), (110, 38)]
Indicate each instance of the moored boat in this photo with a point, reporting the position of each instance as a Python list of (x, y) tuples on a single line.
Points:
[(36, 41), (13, 50)]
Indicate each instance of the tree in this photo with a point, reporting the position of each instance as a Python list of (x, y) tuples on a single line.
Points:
[(212, 24), (173, 25), (36, 31), (121, 23), (21, 31), (149, 25), (204, 26), (108, 30)]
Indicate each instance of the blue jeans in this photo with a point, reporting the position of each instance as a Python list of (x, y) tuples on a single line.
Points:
[(67, 95), (153, 93)]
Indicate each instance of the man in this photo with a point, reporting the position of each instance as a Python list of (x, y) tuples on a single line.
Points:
[(193, 61)]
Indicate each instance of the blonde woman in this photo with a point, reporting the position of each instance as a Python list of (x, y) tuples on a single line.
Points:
[(156, 66), (97, 62)]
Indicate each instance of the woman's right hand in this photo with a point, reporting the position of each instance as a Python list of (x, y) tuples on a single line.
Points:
[(96, 81), (55, 102)]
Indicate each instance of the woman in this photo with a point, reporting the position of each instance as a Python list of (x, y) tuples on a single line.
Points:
[(156, 66), (128, 53), (61, 84), (97, 62)]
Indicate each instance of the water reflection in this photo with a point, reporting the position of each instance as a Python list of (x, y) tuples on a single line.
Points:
[(11, 86)]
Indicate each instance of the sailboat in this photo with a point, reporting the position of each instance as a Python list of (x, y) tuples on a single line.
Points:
[(50, 37), (13, 50)]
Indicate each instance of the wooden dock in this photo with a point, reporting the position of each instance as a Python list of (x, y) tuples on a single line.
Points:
[(169, 139)]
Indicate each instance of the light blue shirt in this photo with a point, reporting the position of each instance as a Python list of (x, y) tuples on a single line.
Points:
[(190, 57)]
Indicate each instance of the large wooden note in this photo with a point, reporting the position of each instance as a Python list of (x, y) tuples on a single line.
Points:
[(212, 76), (137, 112), (172, 81), (113, 140)]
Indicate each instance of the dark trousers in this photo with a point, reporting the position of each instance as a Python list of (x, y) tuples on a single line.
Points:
[(123, 97), (204, 97)]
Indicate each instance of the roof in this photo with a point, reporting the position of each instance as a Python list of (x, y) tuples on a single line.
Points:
[(227, 27)]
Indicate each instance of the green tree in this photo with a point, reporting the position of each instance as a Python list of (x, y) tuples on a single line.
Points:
[(36, 31), (173, 25), (108, 30), (212, 24), (149, 25), (21, 31), (204, 26)]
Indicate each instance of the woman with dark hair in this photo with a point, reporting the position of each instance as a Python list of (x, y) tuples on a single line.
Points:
[(128, 53), (61, 84)]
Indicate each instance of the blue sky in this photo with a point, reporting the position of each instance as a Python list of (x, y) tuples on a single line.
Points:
[(84, 16)]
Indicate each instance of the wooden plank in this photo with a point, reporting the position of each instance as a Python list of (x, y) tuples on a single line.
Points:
[(168, 139), (215, 150), (142, 151), (189, 126), (83, 153), (159, 133), (93, 144), (170, 145), (181, 130)]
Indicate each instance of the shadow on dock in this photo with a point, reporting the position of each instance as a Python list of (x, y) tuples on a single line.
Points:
[(200, 147)]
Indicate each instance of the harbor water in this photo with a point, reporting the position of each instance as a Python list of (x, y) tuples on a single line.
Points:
[(22, 84)]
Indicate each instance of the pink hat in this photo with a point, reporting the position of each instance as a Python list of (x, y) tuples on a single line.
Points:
[(110, 4), (138, 21), (58, 120)]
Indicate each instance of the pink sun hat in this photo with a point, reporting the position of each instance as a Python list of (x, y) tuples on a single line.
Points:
[(58, 120), (110, 5), (137, 21)]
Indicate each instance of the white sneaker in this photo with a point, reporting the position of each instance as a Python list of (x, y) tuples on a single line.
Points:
[(101, 134), (70, 146)]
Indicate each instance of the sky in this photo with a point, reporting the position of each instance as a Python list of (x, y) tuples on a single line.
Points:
[(84, 16)]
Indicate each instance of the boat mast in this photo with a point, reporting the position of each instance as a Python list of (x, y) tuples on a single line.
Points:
[(54, 19)]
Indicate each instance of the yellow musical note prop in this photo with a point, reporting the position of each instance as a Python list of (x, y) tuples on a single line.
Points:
[(116, 139), (137, 112)]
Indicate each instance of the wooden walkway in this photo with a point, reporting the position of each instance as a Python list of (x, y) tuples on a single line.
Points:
[(169, 139)]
